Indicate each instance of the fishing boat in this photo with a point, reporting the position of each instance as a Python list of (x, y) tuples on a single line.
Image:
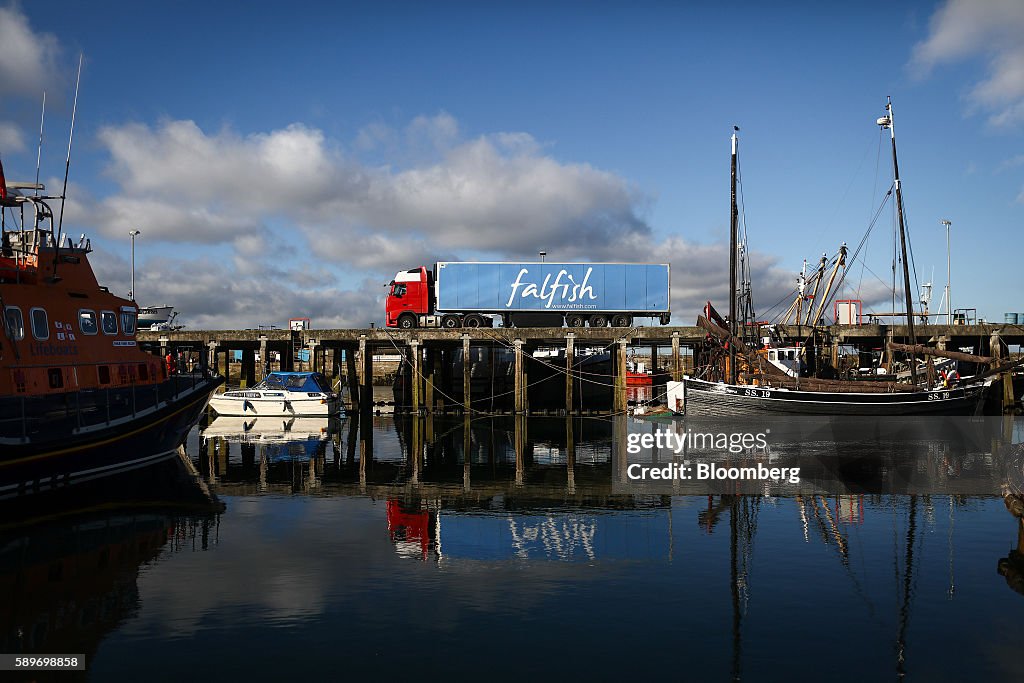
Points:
[(281, 394), (79, 399), (743, 380), (157, 317)]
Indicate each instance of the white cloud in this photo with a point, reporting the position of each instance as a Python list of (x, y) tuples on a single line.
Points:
[(10, 137), (962, 29), (27, 69), (310, 230), (27, 58)]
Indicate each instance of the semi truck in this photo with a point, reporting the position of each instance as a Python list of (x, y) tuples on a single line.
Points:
[(477, 294)]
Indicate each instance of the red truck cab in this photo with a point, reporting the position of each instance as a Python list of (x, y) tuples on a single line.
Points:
[(409, 297)]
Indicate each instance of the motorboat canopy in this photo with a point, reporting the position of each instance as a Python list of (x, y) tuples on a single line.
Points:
[(296, 381)]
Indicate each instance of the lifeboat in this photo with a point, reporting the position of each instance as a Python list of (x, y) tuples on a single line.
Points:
[(79, 398)]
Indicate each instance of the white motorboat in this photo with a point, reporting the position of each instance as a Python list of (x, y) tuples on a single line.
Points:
[(155, 315), (281, 394)]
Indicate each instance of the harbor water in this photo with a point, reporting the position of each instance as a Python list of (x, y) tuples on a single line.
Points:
[(413, 548)]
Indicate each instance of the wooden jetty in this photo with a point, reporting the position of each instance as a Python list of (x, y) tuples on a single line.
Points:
[(349, 353)]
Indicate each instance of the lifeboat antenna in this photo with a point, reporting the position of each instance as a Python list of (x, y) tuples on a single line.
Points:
[(39, 150), (67, 168)]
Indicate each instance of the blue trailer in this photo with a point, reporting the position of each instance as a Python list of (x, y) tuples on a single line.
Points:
[(459, 293)]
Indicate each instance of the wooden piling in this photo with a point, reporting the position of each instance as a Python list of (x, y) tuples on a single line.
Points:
[(677, 368), (367, 389), (619, 402), (263, 356), (416, 375), (569, 355), (428, 381), (416, 449), (467, 454), (467, 367), (519, 435), (519, 388), (570, 457)]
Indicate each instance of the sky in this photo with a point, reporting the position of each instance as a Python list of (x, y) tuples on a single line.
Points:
[(286, 161)]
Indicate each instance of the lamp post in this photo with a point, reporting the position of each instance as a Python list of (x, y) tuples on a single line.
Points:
[(949, 303), (133, 234), (542, 254)]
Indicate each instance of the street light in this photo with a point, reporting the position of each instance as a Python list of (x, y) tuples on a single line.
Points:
[(542, 254), (949, 303), (133, 234)]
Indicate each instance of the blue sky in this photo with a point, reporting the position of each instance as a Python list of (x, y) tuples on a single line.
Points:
[(286, 160)]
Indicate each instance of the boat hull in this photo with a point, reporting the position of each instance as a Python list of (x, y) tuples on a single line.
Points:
[(274, 407), (719, 399), (154, 315), (59, 453)]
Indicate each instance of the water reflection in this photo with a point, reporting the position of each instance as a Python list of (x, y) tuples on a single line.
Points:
[(69, 566), (380, 543), (590, 461), (1011, 567)]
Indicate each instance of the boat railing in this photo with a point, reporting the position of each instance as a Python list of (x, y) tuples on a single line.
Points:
[(87, 409)]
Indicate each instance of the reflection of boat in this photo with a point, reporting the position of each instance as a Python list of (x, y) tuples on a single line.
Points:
[(286, 394), (78, 398), (747, 384), (269, 429)]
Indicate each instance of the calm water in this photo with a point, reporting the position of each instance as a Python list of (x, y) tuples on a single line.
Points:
[(387, 551)]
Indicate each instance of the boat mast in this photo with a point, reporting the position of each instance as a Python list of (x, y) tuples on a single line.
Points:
[(886, 122), (733, 239)]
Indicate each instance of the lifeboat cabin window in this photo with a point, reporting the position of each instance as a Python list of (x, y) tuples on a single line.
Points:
[(128, 321), (108, 319), (87, 322), (15, 323), (40, 327)]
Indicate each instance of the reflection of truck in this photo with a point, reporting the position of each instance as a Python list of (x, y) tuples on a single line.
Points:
[(463, 294)]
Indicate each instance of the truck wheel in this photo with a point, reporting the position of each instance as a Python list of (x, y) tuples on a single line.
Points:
[(622, 321), (599, 320), (450, 322), (473, 320), (406, 321), (575, 320)]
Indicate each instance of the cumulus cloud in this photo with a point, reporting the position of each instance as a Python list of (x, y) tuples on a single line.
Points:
[(27, 58), (27, 69), (10, 137), (289, 223), (962, 29), (276, 202)]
